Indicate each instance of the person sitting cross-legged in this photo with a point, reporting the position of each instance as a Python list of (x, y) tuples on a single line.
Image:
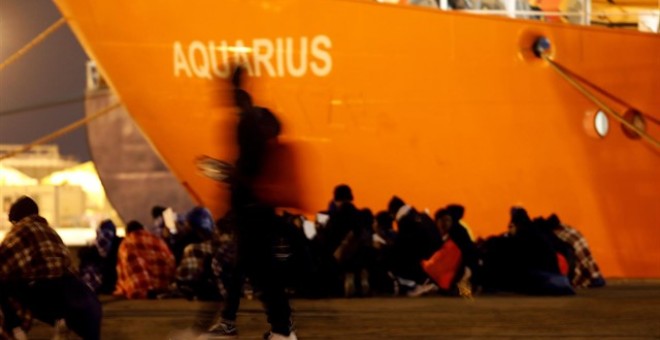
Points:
[(145, 265)]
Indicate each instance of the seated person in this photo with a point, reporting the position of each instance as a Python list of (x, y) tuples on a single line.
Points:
[(343, 218), (565, 253), (355, 255), (145, 265), (333, 252), (223, 262), (36, 273), (417, 240), (448, 222), (295, 258), (586, 272), (194, 275), (523, 260), (157, 225), (184, 236), (98, 262), (384, 238)]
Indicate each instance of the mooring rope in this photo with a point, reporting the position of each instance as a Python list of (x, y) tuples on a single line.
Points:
[(61, 131), (599, 102), (38, 39)]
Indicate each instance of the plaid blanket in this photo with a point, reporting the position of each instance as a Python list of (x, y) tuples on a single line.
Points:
[(196, 261), (32, 250), (145, 264), (586, 268)]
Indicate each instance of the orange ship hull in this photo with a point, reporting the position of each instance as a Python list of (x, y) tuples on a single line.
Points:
[(436, 107)]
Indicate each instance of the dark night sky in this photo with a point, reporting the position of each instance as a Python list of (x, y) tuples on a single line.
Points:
[(52, 71)]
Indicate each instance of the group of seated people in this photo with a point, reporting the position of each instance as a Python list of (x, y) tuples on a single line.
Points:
[(348, 252), (155, 261), (437, 253)]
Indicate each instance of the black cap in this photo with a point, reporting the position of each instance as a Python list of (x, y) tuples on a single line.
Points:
[(157, 211), (395, 204), (519, 217), (23, 207), (441, 212), (553, 221), (343, 193), (456, 211), (133, 226)]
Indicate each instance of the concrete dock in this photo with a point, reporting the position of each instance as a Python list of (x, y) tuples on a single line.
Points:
[(622, 310)]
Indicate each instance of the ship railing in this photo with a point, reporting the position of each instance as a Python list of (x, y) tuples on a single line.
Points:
[(521, 9), (525, 13), (644, 19)]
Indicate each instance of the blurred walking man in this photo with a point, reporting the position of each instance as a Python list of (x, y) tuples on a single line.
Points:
[(256, 222)]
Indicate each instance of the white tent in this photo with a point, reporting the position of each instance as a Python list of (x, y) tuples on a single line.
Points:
[(83, 175), (12, 177)]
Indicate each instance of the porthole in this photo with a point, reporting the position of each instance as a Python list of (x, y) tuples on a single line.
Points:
[(635, 118), (601, 123)]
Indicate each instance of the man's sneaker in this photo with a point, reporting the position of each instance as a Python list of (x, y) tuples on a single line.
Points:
[(222, 329), (423, 289), (277, 336)]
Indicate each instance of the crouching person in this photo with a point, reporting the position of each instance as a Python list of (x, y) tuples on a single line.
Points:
[(145, 265), (36, 273), (194, 275), (585, 273)]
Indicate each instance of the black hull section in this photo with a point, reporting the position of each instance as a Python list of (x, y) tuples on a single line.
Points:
[(134, 177)]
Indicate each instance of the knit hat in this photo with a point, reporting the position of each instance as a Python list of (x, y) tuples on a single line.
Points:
[(109, 226), (200, 219), (23, 207)]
